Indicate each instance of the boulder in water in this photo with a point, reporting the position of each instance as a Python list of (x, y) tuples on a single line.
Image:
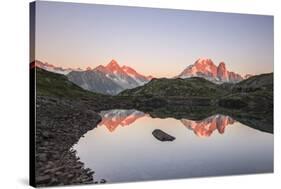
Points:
[(162, 136)]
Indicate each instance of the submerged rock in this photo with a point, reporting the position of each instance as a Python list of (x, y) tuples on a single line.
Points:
[(162, 136)]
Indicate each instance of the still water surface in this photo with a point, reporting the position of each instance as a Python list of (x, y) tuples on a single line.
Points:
[(122, 148)]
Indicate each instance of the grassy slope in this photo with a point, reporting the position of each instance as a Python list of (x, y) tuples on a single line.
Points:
[(57, 85), (257, 92), (191, 87), (255, 83)]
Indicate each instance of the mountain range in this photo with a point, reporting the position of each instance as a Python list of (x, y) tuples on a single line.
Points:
[(110, 79), (113, 78)]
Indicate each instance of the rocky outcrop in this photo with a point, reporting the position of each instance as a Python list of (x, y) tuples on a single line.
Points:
[(162, 136)]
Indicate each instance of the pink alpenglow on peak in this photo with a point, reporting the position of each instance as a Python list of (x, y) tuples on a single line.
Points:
[(113, 66), (205, 68), (125, 72), (110, 79), (222, 72)]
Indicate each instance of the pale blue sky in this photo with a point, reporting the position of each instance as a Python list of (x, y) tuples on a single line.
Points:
[(159, 42)]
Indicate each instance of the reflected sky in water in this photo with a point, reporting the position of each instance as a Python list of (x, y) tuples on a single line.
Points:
[(122, 148)]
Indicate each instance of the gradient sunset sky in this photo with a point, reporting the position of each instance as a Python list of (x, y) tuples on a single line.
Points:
[(158, 42)]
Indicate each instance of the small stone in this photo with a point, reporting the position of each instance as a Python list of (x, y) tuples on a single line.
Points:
[(70, 176), (43, 179), (45, 134), (58, 173), (54, 181), (77, 166), (42, 157)]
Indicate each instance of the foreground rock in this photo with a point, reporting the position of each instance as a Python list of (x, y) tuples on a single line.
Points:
[(162, 136), (59, 125)]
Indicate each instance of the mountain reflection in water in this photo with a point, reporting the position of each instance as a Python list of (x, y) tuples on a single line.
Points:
[(203, 128), (123, 148), (114, 118)]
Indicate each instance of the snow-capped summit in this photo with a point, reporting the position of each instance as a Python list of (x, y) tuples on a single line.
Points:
[(113, 66), (113, 63), (109, 79), (205, 67), (200, 67)]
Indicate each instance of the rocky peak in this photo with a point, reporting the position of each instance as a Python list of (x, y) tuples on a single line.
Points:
[(205, 68), (129, 70), (222, 66), (222, 72), (113, 64)]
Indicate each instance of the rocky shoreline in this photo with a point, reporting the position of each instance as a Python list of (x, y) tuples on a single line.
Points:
[(59, 125)]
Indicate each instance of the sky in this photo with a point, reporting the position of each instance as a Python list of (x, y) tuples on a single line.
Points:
[(158, 42)]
